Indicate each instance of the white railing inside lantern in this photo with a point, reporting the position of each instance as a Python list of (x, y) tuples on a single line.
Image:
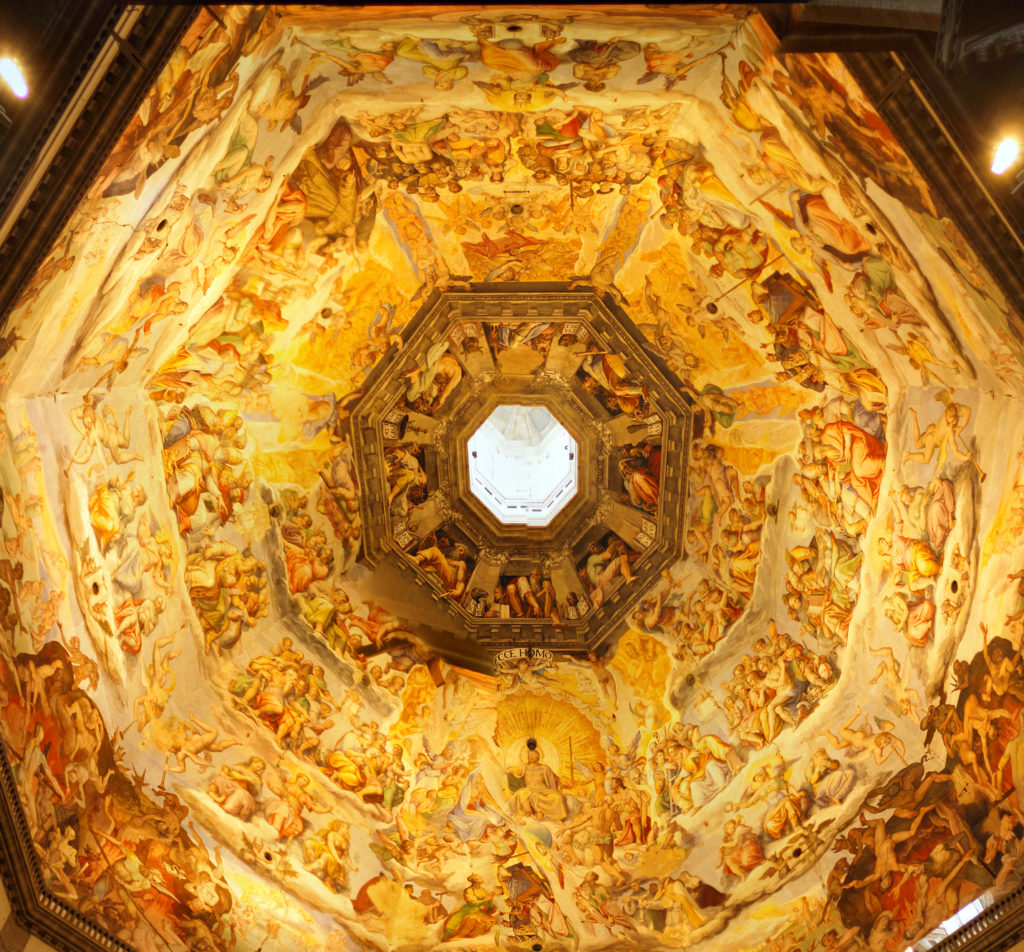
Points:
[(522, 465)]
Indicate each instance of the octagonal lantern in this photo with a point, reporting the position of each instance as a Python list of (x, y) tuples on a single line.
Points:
[(522, 465), (522, 459)]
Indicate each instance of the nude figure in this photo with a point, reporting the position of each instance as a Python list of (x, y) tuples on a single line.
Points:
[(884, 846), (160, 682), (35, 682), (100, 432), (33, 771), (908, 701), (195, 742), (942, 437), (977, 718), (945, 719), (879, 745), (1001, 669)]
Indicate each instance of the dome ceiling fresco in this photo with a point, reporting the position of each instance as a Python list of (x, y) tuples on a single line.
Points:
[(242, 705)]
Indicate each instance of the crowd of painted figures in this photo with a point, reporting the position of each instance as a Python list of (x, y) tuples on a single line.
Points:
[(108, 841), (201, 692)]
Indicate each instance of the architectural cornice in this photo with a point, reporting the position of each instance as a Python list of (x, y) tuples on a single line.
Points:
[(998, 928)]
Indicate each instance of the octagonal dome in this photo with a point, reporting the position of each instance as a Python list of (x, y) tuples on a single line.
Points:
[(507, 370), (522, 465), (259, 638)]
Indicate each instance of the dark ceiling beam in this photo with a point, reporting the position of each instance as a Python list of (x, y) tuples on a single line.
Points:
[(946, 45), (54, 42), (84, 123), (918, 15), (977, 32)]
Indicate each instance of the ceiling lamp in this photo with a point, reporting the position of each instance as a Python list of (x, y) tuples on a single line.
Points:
[(11, 74), (1005, 155)]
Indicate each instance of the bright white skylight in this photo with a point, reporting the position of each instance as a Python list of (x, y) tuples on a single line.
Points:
[(522, 465)]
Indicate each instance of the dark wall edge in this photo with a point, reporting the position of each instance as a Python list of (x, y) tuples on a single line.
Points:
[(79, 156)]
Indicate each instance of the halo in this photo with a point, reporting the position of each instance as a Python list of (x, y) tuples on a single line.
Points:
[(517, 751), (562, 731)]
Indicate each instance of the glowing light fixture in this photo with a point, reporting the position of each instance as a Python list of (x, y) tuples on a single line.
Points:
[(13, 76), (1006, 154)]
